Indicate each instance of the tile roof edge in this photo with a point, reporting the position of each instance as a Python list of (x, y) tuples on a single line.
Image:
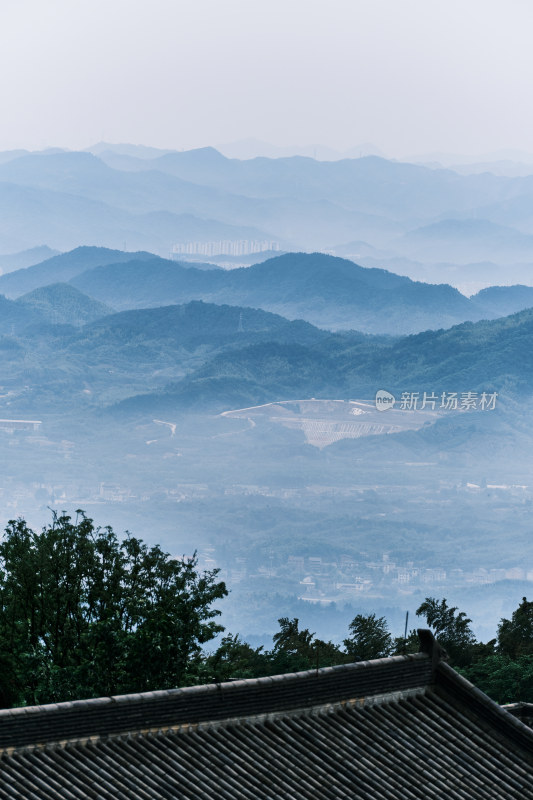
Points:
[(192, 691), (492, 710), (248, 719)]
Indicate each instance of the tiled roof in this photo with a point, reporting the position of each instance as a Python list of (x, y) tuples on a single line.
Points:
[(404, 727)]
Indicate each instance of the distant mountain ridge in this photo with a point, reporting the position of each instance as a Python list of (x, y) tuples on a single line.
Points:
[(105, 195), (27, 258), (61, 268), (327, 291), (488, 356), (505, 300), (62, 304), (216, 357), (32, 212), (456, 239), (50, 360)]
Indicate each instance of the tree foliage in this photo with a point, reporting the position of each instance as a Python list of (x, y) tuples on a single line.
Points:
[(515, 635), (406, 645), (82, 614), (502, 668), (505, 680), (370, 638), (451, 627), (294, 649)]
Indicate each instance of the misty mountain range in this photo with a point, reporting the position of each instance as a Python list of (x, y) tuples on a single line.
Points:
[(324, 290), (145, 199), (128, 358), (483, 357), (210, 338)]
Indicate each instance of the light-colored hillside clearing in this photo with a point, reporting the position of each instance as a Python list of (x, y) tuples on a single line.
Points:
[(326, 421)]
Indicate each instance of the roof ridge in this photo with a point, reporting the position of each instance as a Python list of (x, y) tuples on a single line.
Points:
[(393, 696), (192, 691)]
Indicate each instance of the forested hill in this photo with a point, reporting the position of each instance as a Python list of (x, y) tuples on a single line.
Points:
[(491, 356), (61, 268), (64, 304), (50, 360), (227, 355), (197, 324), (326, 291)]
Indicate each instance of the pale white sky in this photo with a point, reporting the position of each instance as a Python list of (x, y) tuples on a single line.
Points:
[(410, 76)]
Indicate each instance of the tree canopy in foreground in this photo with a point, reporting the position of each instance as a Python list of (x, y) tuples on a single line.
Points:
[(83, 615)]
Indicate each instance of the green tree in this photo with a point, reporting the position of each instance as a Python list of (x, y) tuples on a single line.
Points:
[(451, 627), (505, 680), (515, 635), (296, 649), (291, 640), (82, 614), (404, 646), (369, 638), (235, 659)]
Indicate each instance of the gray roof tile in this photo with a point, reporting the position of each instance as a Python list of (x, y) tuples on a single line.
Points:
[(401, 728)]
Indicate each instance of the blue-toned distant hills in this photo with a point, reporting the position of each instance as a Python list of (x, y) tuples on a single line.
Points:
[(325, 290), (488, 356), (99, 327), (329, 292), (63, 304), (61, 268), (152, 200), (26, 258), (503, 300)]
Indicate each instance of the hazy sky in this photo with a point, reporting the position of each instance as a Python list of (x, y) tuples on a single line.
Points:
[(410, 76)]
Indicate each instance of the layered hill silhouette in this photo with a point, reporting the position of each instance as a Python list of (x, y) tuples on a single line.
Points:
[(153, 200), (326, 291), (116, 200), (62, 304), (215, 357), (470, 239), (370, 184), (61, 268), (504, 300), (33, 214), (488, 356), (26, 258), (65, 363)]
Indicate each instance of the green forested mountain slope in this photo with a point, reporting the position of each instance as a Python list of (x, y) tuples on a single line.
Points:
[(325, 290), (473, 357), (61, 303)]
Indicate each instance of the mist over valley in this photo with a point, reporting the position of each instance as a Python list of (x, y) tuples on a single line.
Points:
[(232, 411)]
